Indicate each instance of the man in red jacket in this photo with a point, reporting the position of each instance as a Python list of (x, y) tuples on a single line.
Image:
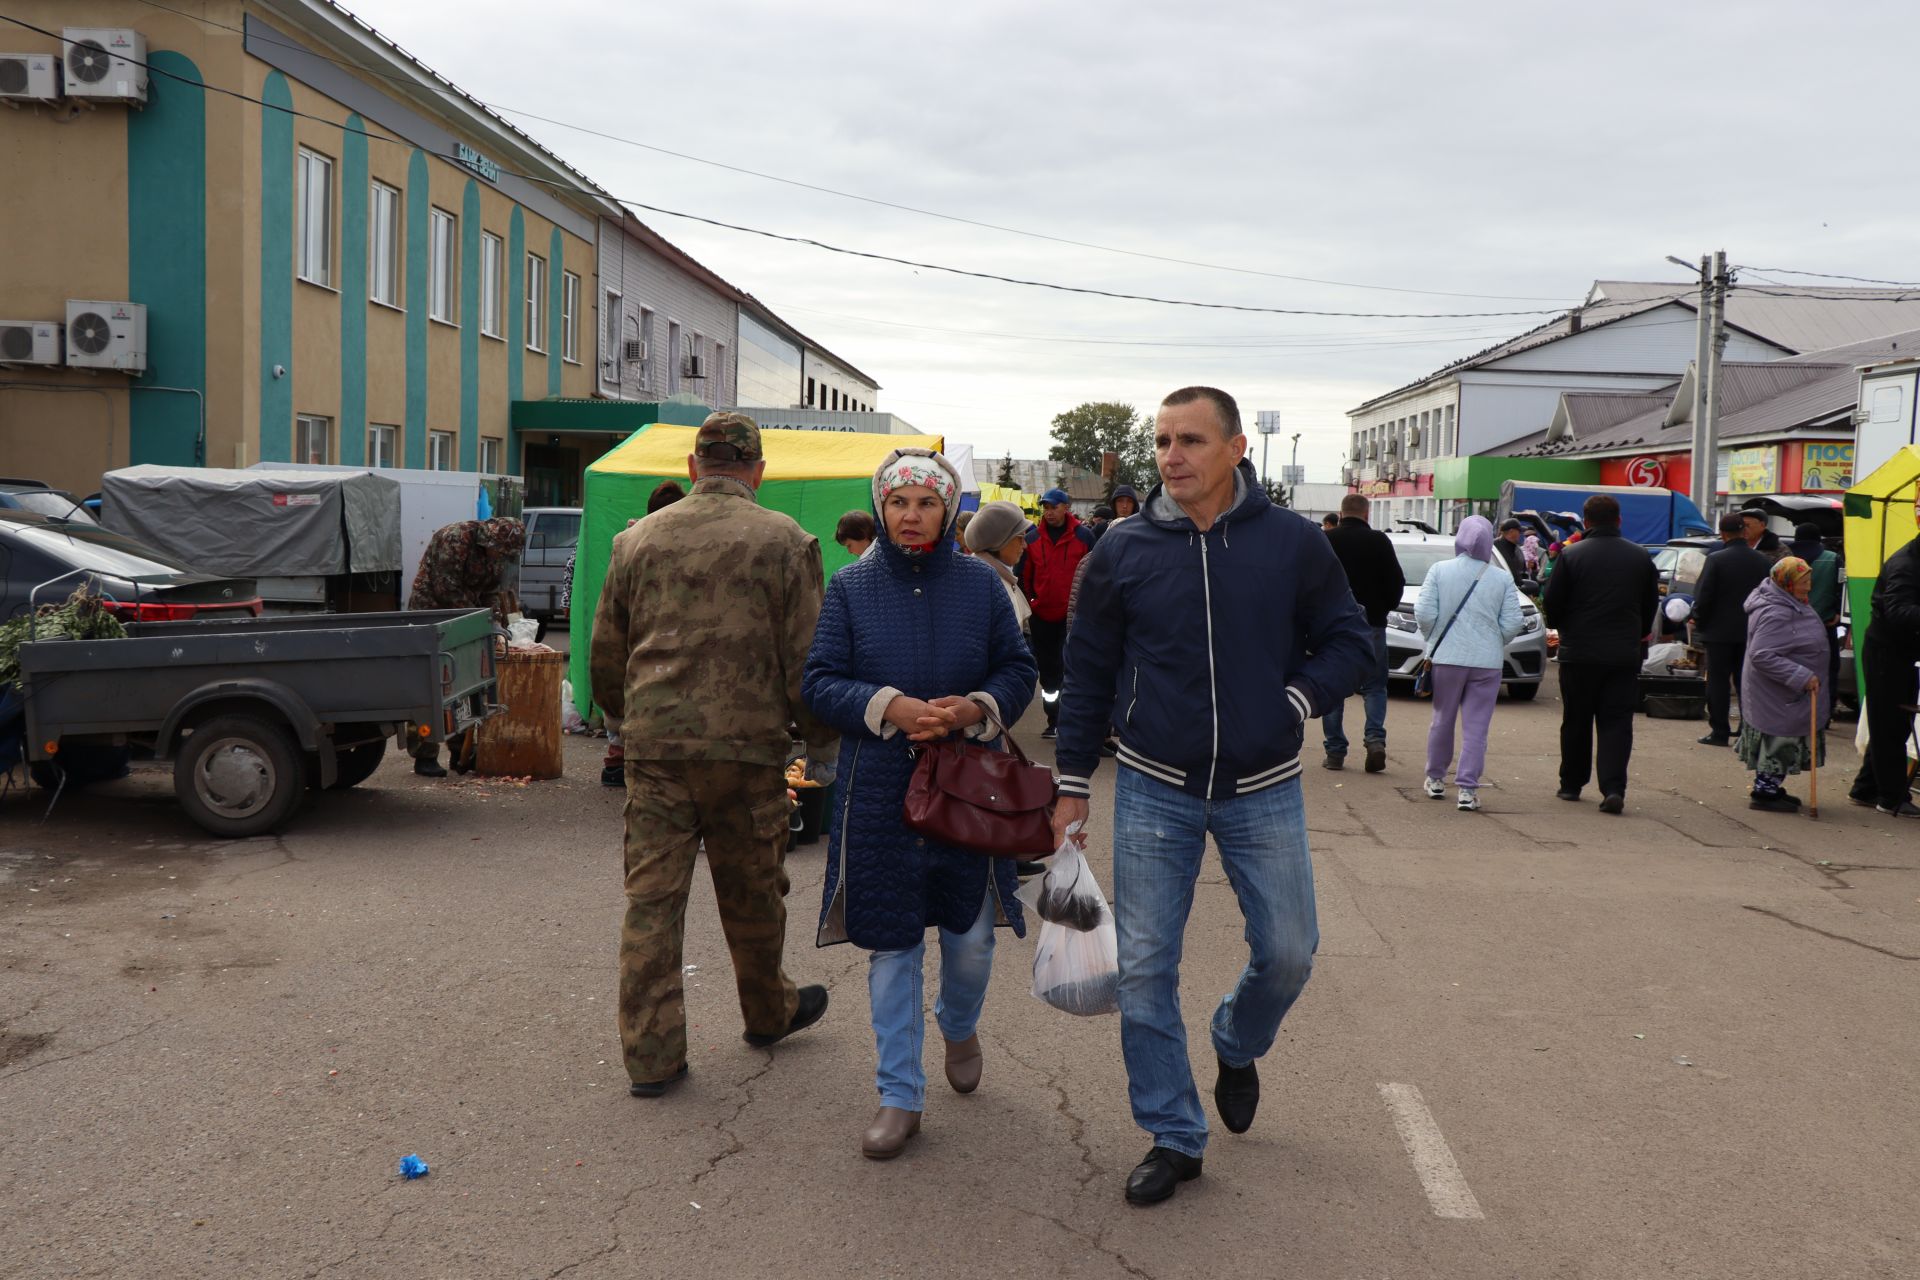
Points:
[(1054, 550)]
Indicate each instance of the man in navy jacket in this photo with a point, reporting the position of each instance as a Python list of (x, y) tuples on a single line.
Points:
[(1209, 630)]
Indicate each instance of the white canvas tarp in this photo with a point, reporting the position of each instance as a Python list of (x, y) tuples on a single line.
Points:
[(259, 524)]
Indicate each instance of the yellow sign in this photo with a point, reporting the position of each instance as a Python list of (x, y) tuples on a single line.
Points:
[(1826, 465), (1753, 470)]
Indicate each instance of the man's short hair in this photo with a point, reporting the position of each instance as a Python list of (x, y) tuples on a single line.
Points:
[(1223, 405), (1355, 504), (1733, 522), (1330, 519), (854, 526), (1506, 525), (665, 495), (1603, 509)]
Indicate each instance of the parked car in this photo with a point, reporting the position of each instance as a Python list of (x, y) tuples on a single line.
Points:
[(140, 583), (32, 495), (1526, 657), (1679, 563), (552, 535)]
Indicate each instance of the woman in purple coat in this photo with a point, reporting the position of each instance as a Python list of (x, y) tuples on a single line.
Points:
[(1786, 653)]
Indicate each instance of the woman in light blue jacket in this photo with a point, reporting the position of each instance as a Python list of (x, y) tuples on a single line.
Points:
[(1469, 608)]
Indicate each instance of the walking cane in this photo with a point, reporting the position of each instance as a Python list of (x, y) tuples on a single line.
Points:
[(1813, 752)]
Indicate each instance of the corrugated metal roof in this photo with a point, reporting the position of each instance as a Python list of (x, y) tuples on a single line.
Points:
[(1037, 475)]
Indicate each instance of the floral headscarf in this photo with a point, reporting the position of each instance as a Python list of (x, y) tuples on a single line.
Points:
[(924, 467), (1793, 576)]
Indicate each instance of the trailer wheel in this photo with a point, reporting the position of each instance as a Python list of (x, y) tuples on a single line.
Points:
[(239, 775), (356, 764)]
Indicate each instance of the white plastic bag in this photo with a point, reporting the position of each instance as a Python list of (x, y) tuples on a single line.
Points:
[(570, 721), (521, 631), (1076, 962)]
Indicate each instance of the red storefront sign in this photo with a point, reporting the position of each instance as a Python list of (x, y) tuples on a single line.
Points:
[(1649, 471), (1826, 463)]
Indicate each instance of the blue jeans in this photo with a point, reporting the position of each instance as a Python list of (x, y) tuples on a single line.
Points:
[(896, 995), (1159, 835), (1373, 691)]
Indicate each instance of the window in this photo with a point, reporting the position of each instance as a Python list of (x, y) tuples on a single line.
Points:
[(491, 258), (442, 290), (570, 317), (613, 350), (646, 338), (383, 445), (673, 356), (383, 251), (809, 393), (718, 374), (316, 218), (439, 450), (536, 302), (491, 455), (312, 439)]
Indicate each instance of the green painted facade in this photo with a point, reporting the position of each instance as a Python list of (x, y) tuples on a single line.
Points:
[(556, 268), (276, 270), (1479, 479), (167, 261), (419, 239), (353, 293), (470, 327)]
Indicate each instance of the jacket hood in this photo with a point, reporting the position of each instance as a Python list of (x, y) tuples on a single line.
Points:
[(938, 460), (1124, 491), (1770, 597), (1475, 538), (1249, 500)]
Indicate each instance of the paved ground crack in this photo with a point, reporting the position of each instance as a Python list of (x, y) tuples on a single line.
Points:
[(1825, 933), (1365, 826), (724, 1126), (613, 1224), (1098, 1243), (1076, 1127), (105, 1044)]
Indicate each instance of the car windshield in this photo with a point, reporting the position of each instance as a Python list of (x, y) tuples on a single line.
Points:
[(90, 547), (51, 502), (1418, 557)]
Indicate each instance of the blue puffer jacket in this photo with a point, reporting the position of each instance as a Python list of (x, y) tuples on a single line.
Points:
[(1208, 651), (927, 626)]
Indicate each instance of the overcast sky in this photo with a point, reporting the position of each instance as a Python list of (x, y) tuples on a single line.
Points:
[(1513, 150)]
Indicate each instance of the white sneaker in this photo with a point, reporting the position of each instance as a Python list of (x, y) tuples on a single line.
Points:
[(1469, 801), (1436, 789)]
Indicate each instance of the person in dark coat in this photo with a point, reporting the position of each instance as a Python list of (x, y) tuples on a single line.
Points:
[(1889, 651), (915, 642), (1508, 547), (1602, 598), (1824, 595), (1759, 537), (1731, 573), (467, 565), (1377, 581), (1125, 501), (1786, 655)]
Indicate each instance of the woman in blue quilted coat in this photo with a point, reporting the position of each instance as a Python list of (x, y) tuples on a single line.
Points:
[(915, 642)]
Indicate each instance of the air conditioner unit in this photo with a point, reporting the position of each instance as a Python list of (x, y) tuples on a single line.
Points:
[(1416, 436), (696, 368), (105, 64), (29, 77), (1861, 417), (1393, 448), (1373, 450), (1346, 475), (1357, 452), (636, 351), (30, 342), (1392, 470), (106, 335)]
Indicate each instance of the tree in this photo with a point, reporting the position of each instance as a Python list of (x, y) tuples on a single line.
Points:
[(1006, 472), (1277, 493), (1082, 434)]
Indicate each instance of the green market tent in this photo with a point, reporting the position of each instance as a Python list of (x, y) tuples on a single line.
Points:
[(814, 476), (1880, 520)]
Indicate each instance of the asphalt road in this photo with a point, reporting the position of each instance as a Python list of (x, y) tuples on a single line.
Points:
[(1539, 1042)]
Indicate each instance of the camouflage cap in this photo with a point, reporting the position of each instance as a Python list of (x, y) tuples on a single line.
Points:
[(728, 437)]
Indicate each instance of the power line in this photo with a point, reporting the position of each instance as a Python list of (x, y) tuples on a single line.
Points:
[(964, 272), (453, 90), (1821, 275)]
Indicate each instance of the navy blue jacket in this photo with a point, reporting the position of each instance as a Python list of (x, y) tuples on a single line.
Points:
[(1208, 651), (926, 626)]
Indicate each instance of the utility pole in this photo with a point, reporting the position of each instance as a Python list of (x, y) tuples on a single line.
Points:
[(1710, 435), (1293, 470), (1701, 486)]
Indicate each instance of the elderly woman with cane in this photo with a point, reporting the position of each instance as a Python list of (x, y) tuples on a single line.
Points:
[(1783, 700)]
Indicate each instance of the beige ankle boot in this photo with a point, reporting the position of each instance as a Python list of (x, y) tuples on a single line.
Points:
[(887, 1136), (963, 1064)]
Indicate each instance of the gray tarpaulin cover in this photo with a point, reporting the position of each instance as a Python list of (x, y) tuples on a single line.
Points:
[(259, 524)]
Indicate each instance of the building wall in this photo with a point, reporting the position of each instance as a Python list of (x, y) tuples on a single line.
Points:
[(1663, 340), (1497, 407), (826, 379), (1428, 414), (657, 292), (770, 371), (187, 206)]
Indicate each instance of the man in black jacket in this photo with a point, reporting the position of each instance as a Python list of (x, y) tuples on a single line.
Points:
[(1720, 619), (1891, 648), (1508, 545), (1376, 579), (1601, 597)]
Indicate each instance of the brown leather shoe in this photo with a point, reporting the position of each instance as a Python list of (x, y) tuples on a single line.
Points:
[(887, 1136), (963, 1064)]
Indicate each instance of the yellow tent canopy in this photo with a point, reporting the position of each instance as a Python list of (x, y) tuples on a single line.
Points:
[(1880, 519)]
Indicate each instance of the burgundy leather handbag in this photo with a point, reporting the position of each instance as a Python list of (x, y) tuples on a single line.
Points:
[(997, 803)]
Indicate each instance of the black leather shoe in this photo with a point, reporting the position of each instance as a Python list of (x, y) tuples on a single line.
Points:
[(1713, 740), (1334, 761), (1567, 794), (613, 775), (1236, 1095), (813, 1003), (1613, 804), (1158, 1176), (657, 1088), (429, 768), (1772, 804), (1376, 757)]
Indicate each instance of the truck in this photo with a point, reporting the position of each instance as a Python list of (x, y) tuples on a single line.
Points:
[(256, 712), (1650, 517)]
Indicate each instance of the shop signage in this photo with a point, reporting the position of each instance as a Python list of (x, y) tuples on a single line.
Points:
[(1646, 473), (479, 164), (1751, 470), (1826, 465)]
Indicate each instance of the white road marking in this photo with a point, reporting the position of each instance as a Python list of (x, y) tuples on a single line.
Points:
[(1433, 1161)]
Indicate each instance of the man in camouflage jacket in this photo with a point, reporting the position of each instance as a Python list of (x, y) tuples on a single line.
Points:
[(699, 640)]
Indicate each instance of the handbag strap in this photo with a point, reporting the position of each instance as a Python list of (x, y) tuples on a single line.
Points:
[(1455, 615), (994, 720)]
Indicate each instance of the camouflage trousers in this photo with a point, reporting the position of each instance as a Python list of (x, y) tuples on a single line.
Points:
[(740, 811)]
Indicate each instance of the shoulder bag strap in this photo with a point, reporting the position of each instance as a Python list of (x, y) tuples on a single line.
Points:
[(1455, 615)]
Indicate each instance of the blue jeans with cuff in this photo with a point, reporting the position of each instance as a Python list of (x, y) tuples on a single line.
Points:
[(1159, 837), (896, 994), (1373, 694)]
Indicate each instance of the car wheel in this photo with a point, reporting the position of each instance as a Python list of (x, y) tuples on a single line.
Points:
[(1524, 692), (356, 764), (239, 775)]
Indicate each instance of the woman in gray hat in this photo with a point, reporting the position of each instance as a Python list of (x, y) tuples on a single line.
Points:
[(997, 534)]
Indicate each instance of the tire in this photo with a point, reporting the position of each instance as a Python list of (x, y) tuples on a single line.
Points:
[(356, 764), (1524, 692), (239, 774)]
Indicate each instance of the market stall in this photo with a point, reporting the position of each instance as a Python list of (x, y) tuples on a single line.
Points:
[(1879, 521)]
